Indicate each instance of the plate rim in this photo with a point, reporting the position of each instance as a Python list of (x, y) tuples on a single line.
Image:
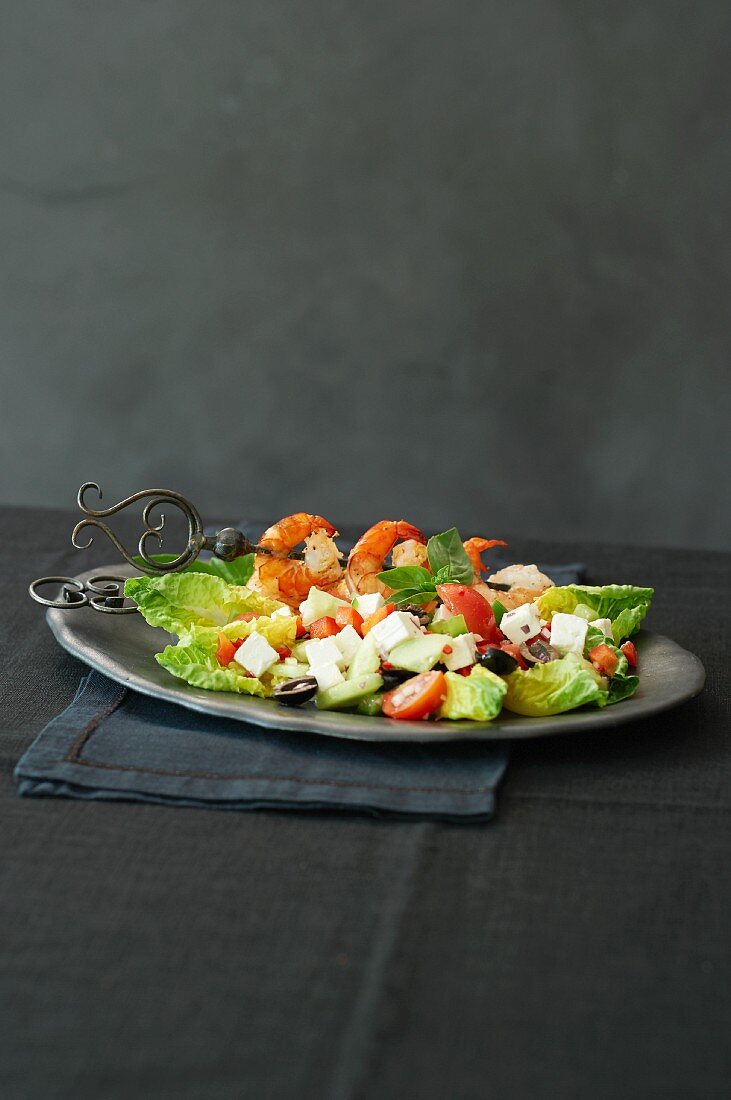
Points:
[(361, 727)]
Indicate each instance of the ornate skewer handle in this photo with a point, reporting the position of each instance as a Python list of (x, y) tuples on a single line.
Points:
[(227, 544)]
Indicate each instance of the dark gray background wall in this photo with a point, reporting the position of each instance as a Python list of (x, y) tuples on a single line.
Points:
[(461, 262)]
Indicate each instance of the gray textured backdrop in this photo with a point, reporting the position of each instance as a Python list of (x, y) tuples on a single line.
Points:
[(454, 261)]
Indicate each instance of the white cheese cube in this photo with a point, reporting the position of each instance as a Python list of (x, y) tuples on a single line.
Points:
[(327, 676), (368, 604), (323, 651), (464, 652), (256, 655), (348, 642), (441, 614), (395, 628), (605, 625), (568, 633), (521, 624), (281, 613)]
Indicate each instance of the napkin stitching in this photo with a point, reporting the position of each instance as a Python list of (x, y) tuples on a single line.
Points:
[(73, 756)]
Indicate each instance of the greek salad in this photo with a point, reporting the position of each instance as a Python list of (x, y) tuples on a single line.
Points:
[(429, 639)]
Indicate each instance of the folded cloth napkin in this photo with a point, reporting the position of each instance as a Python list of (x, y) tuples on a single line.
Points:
[(111, 743)]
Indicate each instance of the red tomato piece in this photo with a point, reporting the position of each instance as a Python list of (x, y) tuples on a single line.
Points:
[(514, 651), (324, 627), (630, 651), (377, 617), (284, 651), (416, 698), (225, 650), (460, 599), (604, 660), (301, 629), (348, 616)]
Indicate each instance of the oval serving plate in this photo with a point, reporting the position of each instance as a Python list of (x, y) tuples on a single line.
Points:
[(123, 647)]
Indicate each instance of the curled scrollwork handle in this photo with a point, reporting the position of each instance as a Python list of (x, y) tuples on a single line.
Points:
[(155, 498)]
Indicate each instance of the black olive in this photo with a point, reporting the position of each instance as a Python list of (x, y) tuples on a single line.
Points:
[(291, 693), (392, 677), (498, 661), (542, 652), (418, 611)]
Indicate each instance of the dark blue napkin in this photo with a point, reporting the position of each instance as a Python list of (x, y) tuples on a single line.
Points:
[(111, 743)]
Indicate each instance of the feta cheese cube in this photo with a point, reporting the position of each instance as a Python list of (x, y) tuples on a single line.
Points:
[(348, 642), (441, 614), (256, 655), (464, 652), (605, 625), (281, 613), (568, 633), (368, 604), (323, 651), (327, 675), (395, 628), (521, 624)]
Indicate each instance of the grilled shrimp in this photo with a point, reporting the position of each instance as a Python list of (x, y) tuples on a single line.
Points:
[(526, 581), (367, 557), (288, 580), (474, 548)]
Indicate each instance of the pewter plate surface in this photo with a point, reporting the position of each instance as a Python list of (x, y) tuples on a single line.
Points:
[(123, 648)]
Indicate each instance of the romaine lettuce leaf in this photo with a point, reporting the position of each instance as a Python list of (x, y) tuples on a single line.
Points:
[(595, 637), (193, 659), (478, 696), (625, 604), (179, 601), (237, 571), (554, 687), (621, 687)]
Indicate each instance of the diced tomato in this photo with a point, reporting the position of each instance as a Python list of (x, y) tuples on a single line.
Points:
[(466, 670), (284, 651), (225, 650), (604, 660), (460, 599), (324, 627), (301, 628), (630, 651), (417, 697), (377, 617), (348, 616), (514, 651), (247, 616)]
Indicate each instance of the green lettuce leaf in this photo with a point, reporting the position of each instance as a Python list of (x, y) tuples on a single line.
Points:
[(625, 604), (193, 659), (279, 631), (478, 696), (237, 571), (621, 687), (554, 687), (595, 637), (179, 601)]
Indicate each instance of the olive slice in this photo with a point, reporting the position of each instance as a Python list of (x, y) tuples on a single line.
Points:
[(498, 661), (292, 693), (392, 677)]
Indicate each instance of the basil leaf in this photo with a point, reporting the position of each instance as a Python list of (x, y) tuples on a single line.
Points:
[(407, 576), (413, 595), (237, 571), (446, 552)]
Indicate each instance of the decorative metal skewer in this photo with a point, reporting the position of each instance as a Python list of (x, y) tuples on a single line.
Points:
[(227, 544)]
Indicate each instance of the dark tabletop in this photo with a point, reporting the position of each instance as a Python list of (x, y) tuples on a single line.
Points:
[(575, 947)]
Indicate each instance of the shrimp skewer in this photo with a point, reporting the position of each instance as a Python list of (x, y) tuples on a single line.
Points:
[(367, 557), (290, 581), (474, 547)]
